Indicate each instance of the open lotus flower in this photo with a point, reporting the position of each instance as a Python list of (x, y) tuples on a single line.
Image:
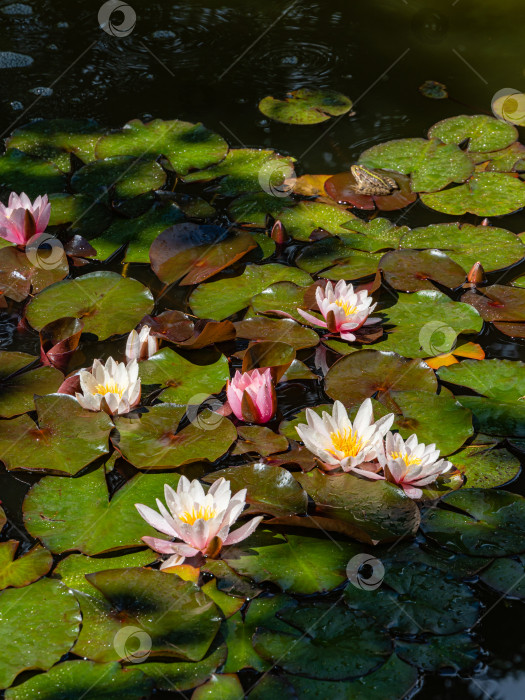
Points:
[(201, 521), (251, 395), (21, 220), (113, 387), (410, 464), (343, 309), (339, 443), (140, 346)]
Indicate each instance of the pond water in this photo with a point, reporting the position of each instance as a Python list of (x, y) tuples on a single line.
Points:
[(212, 62)]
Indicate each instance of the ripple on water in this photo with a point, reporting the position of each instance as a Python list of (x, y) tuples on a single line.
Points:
[(293, 63), (9, 59), (17, 8)]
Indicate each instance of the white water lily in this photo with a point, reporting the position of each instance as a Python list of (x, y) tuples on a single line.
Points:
[(338, 442), (343, 309), (113, 387), (141, 346), (202, 521), (411, 464)]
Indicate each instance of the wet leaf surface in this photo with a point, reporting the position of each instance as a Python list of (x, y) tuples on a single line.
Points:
[(458, 652), (305, 106), (486, 466), (485, 194), (484, 133), (24, 569)]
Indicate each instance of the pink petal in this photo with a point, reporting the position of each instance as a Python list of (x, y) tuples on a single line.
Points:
[(243, 532)]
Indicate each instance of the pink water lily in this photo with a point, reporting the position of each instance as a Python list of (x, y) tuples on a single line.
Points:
[(201, 521), (20, 220), (251, 395), (343, 309)]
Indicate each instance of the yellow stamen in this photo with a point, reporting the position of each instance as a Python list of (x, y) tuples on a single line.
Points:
[(347, 442), (409, 461), (347, 308), (190, 517), (109, 389)]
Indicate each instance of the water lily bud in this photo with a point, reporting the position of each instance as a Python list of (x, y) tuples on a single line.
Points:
[(278, 233), (476, 275), (251, 395), (141, 346)]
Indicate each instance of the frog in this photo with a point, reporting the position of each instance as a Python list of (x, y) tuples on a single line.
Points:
[(371, 182)]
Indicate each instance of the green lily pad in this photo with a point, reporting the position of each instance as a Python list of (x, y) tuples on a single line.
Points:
[(371, 512), (21, 273), (307, 648), (25, 569), (493, 417), (334, 259), (503, 380), (466, 244), (301, 220), (56, 139), (184, 675), (414, 598), (73, 569), (427, 323), (367, 372), (17, 389), (485, 194), (452, 564), (249, 170), (76, 513), (296, 563), (373, 236), (506, 576), (489, 523), (121, 177), (75, 680), (44, 610), (484, 133), (138, 234), (277, 329), (457, 652), (392, 681), (432, 165), (271, 489), (85, 217), (486, 466), (414, 270), (253, 209), (64, 439), (186, 146), (220, 687), (151, 441), (305, 106), (184, 379), (23, 173), (220, 299), (107, 303), (506, 160), (281, 296), (258, 438)]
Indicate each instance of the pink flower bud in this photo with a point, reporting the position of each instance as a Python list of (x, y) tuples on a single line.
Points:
[(251, 395)]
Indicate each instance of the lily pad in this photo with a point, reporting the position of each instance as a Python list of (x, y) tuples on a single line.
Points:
[(120, 177), (151, 442), (107, 303), (22, 272), (506, 160), (414, 270), (187, 146), (415, 598), (485, 194), (79, 211), (498, 303), (305, 106), (466, 244), (280, 297), (506, 576), (486, 466), (17, 389), (23, 173), (26, 568), (257, 438), (303, 218), (503, 380), (373, 236), (344, 189), (220, 299), (492, 417), (271, 489), (484, 133), (44, 610), (220, 686), (184, 675), (334, 259), (432, 165), (273, 329), (72, 569), (457, 652), (64, 439), (485, 522), (76, 514)]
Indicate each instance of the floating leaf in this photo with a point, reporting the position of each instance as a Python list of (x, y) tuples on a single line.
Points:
[(85, 217), (506, 160), (486, 466), (182, 330), (305, 106), (151, 441), (45, 610), (184, 675), (64, 439), (21, 272), (434, 90), (503, 380), (72, 569), (186, 146), (494, 417), (23, 173), (457, 652), (107, 303), (414, 270), (257, 438), (432, 165), (334, 259), (506, 576), (373, 236), (122, 177), (344, 189), (282, 297), (259, 328), (26, 568), (222, 298), (485, 522), (485, 194), (498, 303), (17, 389), (484, 133), (302, 219), (266, 353), (223, 686)]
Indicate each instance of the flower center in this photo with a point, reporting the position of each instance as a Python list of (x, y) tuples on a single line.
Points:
[(347, 308), (190, 516), (347, 442), (104, 389), (407, 459)]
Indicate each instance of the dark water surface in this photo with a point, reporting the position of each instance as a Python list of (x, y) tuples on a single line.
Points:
[(213, 61)]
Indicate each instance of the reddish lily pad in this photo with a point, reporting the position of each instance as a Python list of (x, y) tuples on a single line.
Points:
[(33, 270), (17, 388), (64, 439), (484, 194), (498, 302), (305, 106), (260, 328), (413, 270), (257, 438), (26, 569), (195, 252), (181, 329), (342, 188), (58, 341), (484, 133)]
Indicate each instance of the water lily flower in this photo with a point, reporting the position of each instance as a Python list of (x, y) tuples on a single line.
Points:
[(141, 346), (21, 220), (113, 387), (201, 521), (410, 464), (251, 395), (339, 443), (343, 309)]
